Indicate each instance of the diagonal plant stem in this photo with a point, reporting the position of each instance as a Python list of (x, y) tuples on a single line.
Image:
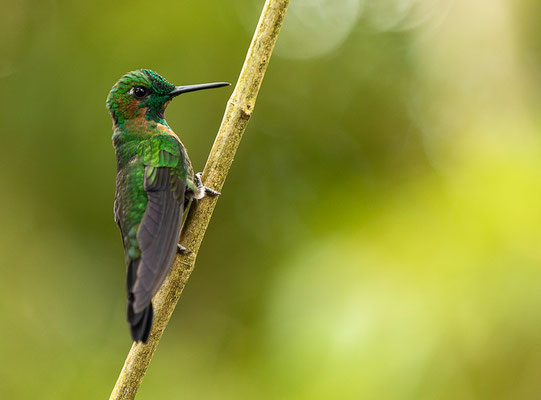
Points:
[(237, 113)]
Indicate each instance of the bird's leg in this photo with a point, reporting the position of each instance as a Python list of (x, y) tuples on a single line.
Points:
[(182, 250), (202, 190)]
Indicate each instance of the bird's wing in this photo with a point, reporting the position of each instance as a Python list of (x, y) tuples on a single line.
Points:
[(157, 235)]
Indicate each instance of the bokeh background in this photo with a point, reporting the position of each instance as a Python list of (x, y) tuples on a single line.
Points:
[(379, 235)]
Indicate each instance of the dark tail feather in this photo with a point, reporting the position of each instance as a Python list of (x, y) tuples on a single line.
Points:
[(140, 323)]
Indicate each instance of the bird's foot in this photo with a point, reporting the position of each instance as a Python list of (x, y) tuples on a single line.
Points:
[(202, 189), (182, 250)]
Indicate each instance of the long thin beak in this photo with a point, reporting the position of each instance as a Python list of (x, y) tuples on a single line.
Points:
[(192, 88)]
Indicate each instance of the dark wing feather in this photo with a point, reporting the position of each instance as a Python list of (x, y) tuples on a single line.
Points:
[(158, 233)]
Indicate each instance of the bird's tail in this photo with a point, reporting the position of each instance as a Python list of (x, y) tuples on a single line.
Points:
[(141, 322)]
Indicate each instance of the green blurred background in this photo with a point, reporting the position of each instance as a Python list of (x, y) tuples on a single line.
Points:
[(379, 234)]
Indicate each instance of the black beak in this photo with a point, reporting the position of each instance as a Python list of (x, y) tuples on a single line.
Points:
[(192, 88)]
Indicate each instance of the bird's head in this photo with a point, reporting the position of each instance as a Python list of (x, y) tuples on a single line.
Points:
[(144, 93)]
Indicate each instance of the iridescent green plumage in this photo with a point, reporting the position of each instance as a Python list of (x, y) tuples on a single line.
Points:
[(154, 181)]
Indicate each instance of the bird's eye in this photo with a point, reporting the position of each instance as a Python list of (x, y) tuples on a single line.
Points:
[(139, 92)]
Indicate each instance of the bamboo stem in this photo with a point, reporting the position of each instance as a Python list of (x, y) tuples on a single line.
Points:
[(237, 113)]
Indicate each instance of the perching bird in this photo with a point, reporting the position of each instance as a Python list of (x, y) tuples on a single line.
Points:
[(154, 182)]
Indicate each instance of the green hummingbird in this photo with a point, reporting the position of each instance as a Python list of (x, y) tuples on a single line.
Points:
[(154, 183)]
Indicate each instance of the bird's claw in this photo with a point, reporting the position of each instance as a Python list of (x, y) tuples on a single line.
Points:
[(211, 192), (182, 250), (199, 183)]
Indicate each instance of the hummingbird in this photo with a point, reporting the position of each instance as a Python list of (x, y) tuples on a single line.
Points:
[(155, 182)]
